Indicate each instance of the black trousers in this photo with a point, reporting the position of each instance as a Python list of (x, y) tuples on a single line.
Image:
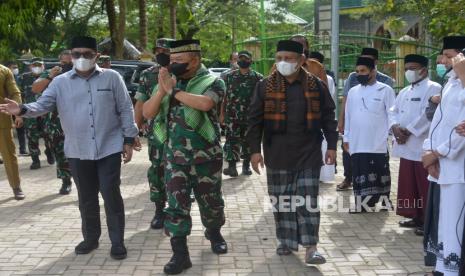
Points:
[(21, 132), (92, 176), (347, 164)]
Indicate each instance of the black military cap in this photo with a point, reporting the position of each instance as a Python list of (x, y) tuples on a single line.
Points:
[(417, 59)]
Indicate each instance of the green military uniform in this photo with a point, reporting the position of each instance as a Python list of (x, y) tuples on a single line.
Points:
[(193, 157), (56, 135), (239, 90), (148, 81), (35, 127)]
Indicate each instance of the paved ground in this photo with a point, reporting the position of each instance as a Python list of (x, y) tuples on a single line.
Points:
[(38, 235)]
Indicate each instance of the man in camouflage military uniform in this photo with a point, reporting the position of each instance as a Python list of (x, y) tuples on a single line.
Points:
[(187, 121), (35, 127), (240, 85), (148, 80), (52, 123), (104, 61)]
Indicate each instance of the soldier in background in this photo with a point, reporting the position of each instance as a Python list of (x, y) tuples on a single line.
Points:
[(104, 61), (35, 126), (240, 84), (21, 132), (52, 123), (148, 81)]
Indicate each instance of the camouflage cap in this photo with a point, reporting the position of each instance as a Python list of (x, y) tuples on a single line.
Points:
[(247, 54), (104, 58), (36, 60), (163, 43)]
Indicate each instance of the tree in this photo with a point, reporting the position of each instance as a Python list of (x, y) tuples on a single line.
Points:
[(143, 23), (117, 25)]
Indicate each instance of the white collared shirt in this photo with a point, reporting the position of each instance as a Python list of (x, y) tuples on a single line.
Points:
[(367, 118), (442, 136), (409, 112)]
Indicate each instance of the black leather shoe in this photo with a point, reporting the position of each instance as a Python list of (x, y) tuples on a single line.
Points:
[(118, 252), (35, 163), (85, 247), (246, 167), (50, 157), (1, 161), (65, 187), (408, 223), (158, 220), (180, 260), (231, 170), (218, 244), (419, 231), (18, 193)]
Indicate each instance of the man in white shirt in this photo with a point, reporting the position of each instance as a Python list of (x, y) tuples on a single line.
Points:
[(444, 157), (410, 127), (365, 137)]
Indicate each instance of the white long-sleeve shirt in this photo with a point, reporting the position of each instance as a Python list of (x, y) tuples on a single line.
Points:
[(367, 118), (409, 112), (442, 136)]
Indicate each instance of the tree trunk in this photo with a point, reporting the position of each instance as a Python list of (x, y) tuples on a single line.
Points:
[(119, 41), (111, 13), (143, 23), (172, 7), (160, 20)]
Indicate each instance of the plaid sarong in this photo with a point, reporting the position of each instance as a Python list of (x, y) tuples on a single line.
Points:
[(302, 226)]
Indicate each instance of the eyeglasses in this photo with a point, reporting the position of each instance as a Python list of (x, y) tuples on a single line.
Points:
[(86, 55)]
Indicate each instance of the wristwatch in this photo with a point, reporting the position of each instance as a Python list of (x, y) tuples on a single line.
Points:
[(23, 109), (49, 78), (175, 91)]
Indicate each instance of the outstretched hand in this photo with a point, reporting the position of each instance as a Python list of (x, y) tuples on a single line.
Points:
[(10, 107)]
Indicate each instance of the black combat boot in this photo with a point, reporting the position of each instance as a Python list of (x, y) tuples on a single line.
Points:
[(246, 167), (50, 157), (231, 170), (65, 186), (180, 259), (159, 218), (35, 162), (218, 244)]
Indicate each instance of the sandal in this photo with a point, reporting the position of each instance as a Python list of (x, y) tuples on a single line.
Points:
[(344, 186), (283, 250), (315, 258)]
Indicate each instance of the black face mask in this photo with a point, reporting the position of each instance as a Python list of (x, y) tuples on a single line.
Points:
[(163, 59), (66, 67), (363, 79), (178, 69), (244, 64)]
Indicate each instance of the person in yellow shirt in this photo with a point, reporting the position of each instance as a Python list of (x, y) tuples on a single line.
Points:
[(8, 89)]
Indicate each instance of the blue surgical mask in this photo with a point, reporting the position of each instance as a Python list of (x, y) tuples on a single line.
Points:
[(441, 70)]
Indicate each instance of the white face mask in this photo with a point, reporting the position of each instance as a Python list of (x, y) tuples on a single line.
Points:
[(412, 76), (37, 70), (83, 64), (286, 68), (15, 71)]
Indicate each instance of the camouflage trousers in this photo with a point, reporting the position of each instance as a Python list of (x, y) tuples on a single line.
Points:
[(155, 173), (205, 180), (57, 137), (236, 146), (35, 129)]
